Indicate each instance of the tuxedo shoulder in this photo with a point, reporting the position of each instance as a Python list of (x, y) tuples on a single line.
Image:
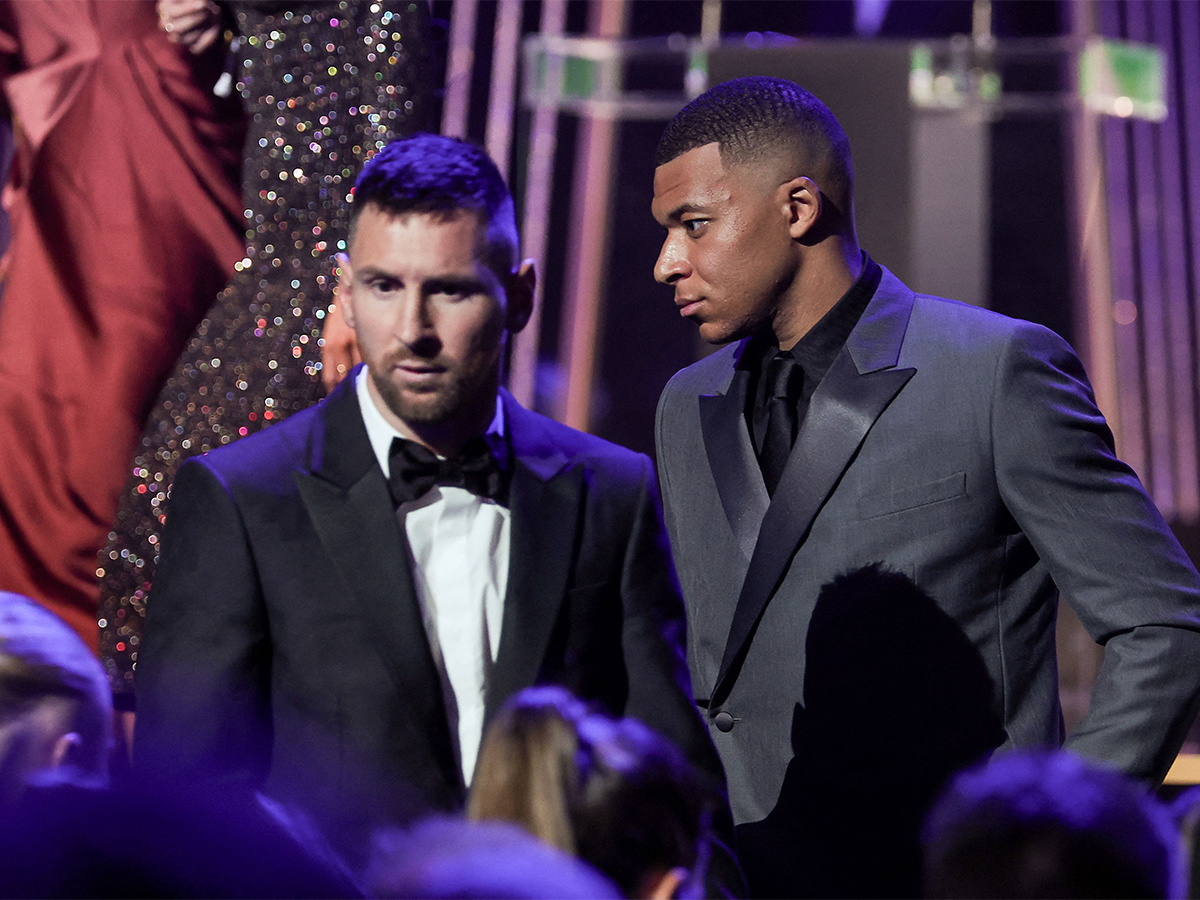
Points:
[(266, 456), (581, 448)]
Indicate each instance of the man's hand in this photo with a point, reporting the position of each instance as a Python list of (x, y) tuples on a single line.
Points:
[(339, 352), (196, 24)]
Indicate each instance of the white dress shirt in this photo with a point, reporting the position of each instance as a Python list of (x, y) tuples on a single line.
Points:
[(458, 546)]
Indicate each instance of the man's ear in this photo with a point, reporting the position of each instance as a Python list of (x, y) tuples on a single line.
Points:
[(343, 294), (804, 206), (519, 288), (63, 749)]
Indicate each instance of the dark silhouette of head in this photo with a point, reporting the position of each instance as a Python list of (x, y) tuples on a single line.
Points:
[(136, 840), (880, 645), (450, 858), (896, 700), (1049, 824), (611, 791)]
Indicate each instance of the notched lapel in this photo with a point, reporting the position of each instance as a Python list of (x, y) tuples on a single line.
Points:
[(358, 528), (348, 503), (840, 414), (545, 498), (732, 461)]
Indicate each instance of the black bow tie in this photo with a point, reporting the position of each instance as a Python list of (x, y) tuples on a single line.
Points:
[(414, 470)]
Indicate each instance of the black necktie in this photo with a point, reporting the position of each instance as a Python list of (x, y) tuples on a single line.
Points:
[(413, 470), (784, 378)]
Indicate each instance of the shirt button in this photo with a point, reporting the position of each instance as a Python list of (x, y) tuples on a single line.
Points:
[(723, 721)]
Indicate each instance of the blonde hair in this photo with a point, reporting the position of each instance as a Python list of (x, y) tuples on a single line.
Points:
[(526, 769), (610, 791)]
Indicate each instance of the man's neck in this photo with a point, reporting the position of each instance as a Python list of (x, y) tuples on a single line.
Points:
[(824, 278)]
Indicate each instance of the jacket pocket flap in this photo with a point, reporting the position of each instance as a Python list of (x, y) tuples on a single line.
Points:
[(912, 497)]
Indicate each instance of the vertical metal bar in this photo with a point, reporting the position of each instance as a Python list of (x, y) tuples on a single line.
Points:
[(505, 50), (1187, 110), (456, 101), (710, 22), (539, 182), (1177, 316), (1125, 308), (1148, 244), (587, 250), (1093, 301)]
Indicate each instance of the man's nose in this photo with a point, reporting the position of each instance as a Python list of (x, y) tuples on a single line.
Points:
[(413, 322), (672, 263)]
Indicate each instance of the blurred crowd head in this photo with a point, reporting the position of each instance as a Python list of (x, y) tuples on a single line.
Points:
[(55, 703), (1049, 824)]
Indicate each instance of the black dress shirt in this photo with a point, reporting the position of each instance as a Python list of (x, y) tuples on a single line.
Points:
[(815, 352)]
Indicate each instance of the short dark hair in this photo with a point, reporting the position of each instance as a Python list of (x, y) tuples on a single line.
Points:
[(432, 174), (641, 807), (751, 117), (42, 659), (612, 791), (1044, 823)]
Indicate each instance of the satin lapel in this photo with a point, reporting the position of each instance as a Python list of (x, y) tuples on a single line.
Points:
[(857, 388), (732, 461), (545, 499), (348, 502)]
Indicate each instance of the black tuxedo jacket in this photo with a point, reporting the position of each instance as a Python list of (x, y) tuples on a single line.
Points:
[(285, 649)]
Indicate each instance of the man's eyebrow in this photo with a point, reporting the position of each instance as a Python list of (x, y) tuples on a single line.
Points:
[(454, 284), (683, 208), (375, 272)]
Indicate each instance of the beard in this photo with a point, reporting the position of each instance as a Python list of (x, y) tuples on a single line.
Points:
[(459, 393)]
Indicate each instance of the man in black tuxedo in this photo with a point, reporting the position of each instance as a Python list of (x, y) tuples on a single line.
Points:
[(345, 598)]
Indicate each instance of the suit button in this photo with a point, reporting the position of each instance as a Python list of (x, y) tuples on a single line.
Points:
[(723, 721)]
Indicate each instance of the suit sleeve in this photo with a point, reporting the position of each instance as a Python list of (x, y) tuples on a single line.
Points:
[(1108, 550), (653, 636), (203, 677), (662, 441)]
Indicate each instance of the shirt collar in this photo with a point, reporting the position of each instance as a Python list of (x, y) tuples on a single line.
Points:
[(380, 432), (820, 346)]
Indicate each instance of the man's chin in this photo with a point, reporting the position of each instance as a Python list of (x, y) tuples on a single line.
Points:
[(425, 409), (417, 407), (713, 333)]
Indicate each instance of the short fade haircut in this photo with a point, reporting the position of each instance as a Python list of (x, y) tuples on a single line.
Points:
[(434, 175), (755, 117)]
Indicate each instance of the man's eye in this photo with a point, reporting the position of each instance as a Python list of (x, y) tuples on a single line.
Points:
[(694, 226), (385, 285), (453, 292)]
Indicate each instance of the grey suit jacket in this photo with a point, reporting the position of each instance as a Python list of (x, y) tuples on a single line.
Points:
[(285, 649), (964, 449)]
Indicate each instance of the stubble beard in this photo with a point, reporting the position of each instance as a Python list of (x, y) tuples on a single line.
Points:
[(457, 396)]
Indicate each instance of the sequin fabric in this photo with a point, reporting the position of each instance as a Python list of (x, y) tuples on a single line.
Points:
[(325, 85)]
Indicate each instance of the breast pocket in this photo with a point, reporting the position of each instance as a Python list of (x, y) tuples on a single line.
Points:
[(915, 497)]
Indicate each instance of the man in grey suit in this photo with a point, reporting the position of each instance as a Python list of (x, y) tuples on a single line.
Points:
[(851, 421)]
